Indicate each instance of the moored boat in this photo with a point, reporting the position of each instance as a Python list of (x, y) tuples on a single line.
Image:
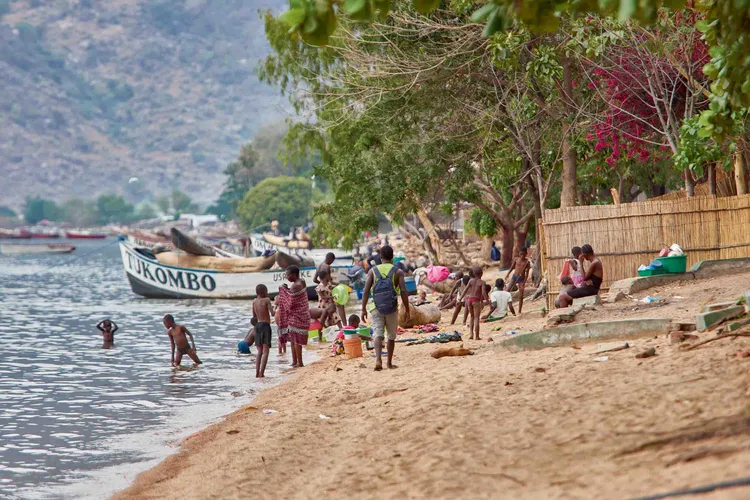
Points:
[(190, 245), (24, 249), (84, 235), (260, 245), (150, 278), (14, 234)]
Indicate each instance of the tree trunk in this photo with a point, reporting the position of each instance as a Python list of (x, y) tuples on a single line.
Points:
[(432, 235), (569, 175), (689, 183), (740, 178), (711, 179), (506, 256), (486, 248)]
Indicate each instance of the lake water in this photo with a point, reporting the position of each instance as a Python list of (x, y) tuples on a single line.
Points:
[(79, 421)]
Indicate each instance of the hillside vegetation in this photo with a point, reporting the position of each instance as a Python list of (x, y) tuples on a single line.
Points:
[(94, 93)]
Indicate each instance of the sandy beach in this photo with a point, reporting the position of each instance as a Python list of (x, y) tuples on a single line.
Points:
[(552, 423)]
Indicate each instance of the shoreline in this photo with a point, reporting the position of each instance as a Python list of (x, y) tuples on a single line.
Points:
[(551, 423)]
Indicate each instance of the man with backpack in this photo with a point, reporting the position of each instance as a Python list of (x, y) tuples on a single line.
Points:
[(386, 282)]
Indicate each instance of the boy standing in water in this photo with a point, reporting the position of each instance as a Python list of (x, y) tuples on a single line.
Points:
[(477, 295), (108, 329), (262, 311), (178, 338), (520, 269)]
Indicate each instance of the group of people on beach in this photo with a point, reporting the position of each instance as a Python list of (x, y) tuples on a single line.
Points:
[(581, 276)]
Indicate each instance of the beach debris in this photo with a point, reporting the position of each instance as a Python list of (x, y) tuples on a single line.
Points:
[(539, 369), (388, 392), (601, 358), (649, 300), (611, 347), (324, 417), (441, 352), (718, 337), (236, 394), (511, 332), (233, 431), (508, 383), (490, 339), (269, 412), (647, 353), (440, 338), (744, 354), (709, 320), (250, 408), (587, 302), (534, 313), (675, 337)]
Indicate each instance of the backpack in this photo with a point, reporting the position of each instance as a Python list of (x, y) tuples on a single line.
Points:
[(384, 293)]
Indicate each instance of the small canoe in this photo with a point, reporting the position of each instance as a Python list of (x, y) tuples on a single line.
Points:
[(286, 242), (221, 264), (285, 260), (84, 235), (11, 249), (189, 244)]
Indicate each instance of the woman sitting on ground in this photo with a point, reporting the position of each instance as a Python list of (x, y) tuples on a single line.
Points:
[(592, 281)]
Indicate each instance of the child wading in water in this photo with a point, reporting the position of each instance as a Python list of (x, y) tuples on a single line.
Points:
[(262, 311), (108, 329), (475, 294), (178, 338), (520, 269)]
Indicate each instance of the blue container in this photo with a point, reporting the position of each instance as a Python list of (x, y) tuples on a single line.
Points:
[(411, 285)]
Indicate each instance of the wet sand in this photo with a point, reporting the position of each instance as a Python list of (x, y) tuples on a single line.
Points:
[(552, 423)]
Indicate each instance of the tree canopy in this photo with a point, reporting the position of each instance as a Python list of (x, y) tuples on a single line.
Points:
[(285, 199)]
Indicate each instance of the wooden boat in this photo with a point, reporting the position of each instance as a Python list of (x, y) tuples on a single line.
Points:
[(286, 242), (45, 234), (150, 278), (224, 264), (318, 255), (14, 234), (84, 235), (148, 240), (285, 260), (21, 249), (190, 245)]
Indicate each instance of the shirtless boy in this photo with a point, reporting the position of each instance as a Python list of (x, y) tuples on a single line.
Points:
[(262, 311), (108, 329), (324, 267), (476, 295), (520, 269), (178, 338)]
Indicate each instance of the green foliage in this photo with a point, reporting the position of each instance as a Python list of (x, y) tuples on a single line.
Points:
[(696, 150), (38, 209), (7, 212), (145, 211), (112, 208), (482, 223), (80, 213), (285, 199), (182, 203), (163, 203)]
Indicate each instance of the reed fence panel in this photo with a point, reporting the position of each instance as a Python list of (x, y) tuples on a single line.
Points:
[(628, 235)]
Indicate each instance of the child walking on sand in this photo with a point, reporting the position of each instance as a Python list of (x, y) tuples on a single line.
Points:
[(294, 313), (520, 269), (262, 311), (476, 295), (178, 339)]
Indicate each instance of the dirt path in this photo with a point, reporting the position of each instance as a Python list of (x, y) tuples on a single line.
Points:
[(546, 424)]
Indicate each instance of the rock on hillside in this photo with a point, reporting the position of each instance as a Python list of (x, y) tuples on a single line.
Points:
[(94, 92)]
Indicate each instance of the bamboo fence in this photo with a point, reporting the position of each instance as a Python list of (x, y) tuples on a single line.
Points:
[(628, 235)]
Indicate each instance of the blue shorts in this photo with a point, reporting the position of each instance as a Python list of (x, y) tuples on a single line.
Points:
[(518, 280), (243, 347)]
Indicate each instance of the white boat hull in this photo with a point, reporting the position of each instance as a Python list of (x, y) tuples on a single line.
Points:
[(260, 245), (152, 279), (35, 249)]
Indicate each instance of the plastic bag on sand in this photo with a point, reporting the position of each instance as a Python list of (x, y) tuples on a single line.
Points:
[(675, 250), (330, 333), (419, 315), (436, 274)]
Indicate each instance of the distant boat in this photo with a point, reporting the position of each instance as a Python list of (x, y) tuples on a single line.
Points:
[(15, 234), (261, 243), (21, 249), (44, 233), (150, 278), (84, 235)]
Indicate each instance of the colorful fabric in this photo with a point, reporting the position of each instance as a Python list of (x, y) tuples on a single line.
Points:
[(325, 300), (294, 315), (437, 274), (440, 338)]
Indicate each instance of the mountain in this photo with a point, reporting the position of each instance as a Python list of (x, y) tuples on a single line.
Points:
[(95, 92)]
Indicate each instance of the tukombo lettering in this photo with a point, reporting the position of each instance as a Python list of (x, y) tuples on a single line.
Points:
[(172, 278)]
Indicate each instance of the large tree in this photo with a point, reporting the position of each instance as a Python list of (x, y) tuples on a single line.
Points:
[(285, 199)]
